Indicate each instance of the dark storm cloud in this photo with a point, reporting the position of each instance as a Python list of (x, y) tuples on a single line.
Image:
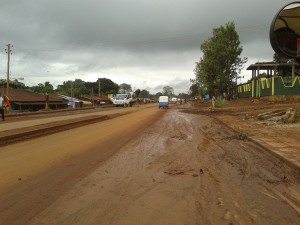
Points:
[(71, 37)]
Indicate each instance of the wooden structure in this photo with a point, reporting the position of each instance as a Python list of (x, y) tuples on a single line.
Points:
[(278, 80), (274, 69)]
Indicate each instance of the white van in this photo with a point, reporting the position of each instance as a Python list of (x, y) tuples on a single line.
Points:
[(163, 102), (174, 100)]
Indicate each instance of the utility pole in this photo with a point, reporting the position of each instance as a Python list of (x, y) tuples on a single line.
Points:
[(8, 52), (99, 86), (72, 94), (92, 96)]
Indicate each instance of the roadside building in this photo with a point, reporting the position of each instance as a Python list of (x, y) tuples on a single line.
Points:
[(22, 100), (272, 81)]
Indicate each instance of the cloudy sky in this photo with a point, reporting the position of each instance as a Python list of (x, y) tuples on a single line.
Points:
[(148, 44)]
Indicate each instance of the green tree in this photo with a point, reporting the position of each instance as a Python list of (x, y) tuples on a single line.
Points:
[(221, 62), (137, 93), (194, 90), (71, 88), (125, 88), (79, 87), (183, 96), (107, 86), (158, 94), (144, 94), (90, 87), (45, 88), (168, 91), (65, 88), (16, 84)]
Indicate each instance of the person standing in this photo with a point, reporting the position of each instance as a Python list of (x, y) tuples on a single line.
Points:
[(213, 101), (125, 102), (1, 106)]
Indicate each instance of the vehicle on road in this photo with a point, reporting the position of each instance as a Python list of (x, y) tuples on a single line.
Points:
[(163, 102), (174, 100), (122, 100)]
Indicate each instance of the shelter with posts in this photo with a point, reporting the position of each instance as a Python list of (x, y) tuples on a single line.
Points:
[(270, 80), (22, 100)]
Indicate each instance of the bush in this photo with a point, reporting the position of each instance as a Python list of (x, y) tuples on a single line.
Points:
[(221, 103)]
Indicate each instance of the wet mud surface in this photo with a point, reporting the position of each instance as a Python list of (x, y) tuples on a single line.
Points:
[(179, 168)]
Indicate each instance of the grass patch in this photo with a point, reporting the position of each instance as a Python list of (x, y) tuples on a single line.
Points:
[(221, 103)]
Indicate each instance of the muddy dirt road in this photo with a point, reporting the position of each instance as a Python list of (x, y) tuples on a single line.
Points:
[(148, 167)]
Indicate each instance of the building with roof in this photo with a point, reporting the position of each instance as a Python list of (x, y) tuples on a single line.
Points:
[(23, 100), (274, 69), (271, 80)]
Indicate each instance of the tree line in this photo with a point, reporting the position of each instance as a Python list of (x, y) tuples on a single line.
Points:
[(80, 88)]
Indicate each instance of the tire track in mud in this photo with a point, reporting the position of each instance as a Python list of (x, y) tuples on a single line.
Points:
[(44, 182), (227, 189), (183, 169), (238, 161), (149, 192)]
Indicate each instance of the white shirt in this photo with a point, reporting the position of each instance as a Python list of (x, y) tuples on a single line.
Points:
[(1, 101)]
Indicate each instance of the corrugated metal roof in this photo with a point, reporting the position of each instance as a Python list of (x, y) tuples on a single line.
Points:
[(70, 99), (21, 95), (271, 65)]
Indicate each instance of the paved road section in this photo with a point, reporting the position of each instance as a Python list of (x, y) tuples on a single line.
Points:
[(13, 131), (7, 125)]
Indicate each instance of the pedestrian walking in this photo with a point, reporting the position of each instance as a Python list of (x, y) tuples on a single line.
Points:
[(2, 106), (213, 101), (125, 102)]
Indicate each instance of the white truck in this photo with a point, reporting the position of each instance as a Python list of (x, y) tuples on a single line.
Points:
[(122, 100)]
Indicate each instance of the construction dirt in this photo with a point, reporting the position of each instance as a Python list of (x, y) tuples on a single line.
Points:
[(185, 165)]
